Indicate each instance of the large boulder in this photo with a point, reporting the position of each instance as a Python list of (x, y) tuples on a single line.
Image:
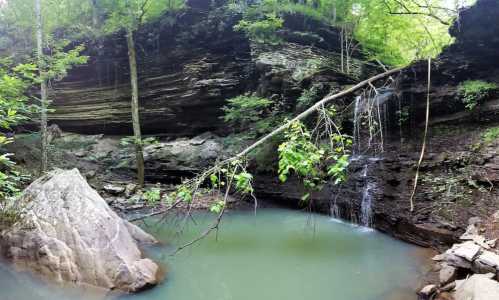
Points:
[(69, 234), (184, 156), (478, 287)]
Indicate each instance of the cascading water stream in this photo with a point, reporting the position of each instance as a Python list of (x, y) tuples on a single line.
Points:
[(366, 215), (369, 111)]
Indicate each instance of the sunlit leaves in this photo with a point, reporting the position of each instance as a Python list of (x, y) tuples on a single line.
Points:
[(131, 14), (243, 110), (217, 206), (300, 156)]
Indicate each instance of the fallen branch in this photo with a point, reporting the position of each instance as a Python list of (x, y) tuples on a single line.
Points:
[(216, 168), (215, 224), (312, 109), (155, 213)]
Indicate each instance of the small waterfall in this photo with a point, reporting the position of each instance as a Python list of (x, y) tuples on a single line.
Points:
[(369, 132), (366, 215), (356, 127)]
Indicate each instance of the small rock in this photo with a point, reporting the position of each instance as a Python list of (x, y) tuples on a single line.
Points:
[(113, 189), (130, 189), (467, 250), (135, 207), (456, 261), (427, 291), (489, 258), (448, 287), (90, 174), (80, 154), (481, 241), (472, 229), (439, 257), (447, 274)]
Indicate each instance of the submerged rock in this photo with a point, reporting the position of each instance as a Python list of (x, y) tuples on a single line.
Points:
[(69, 234)]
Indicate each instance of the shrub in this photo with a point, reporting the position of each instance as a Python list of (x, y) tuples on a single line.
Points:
[(474, 92), (244, 110), (308, 97), (491, 135), (152, 195), (262, 30)]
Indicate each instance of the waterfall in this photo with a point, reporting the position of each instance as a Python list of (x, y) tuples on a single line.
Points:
[(356, 127), (369, 132), (366, 215)]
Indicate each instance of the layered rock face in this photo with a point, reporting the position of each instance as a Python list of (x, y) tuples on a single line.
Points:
[(69, 234), (188, 70)]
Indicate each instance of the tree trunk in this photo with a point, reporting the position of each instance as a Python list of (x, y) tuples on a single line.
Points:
[(139, 156), (43, 88)]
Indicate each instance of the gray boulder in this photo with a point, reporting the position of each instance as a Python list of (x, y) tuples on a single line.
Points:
[(69, 234), (478, 287), (183, 155)]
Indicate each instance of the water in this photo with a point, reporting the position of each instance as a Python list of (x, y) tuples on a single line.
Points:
[(277, 254), (366, 214)]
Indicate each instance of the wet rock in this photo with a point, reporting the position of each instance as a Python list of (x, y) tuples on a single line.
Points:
[(427, 291), (69, 234), (478, 287)]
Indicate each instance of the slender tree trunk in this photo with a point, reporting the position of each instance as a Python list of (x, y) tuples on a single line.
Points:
[(43, 88), (139, 156), (342, 37)]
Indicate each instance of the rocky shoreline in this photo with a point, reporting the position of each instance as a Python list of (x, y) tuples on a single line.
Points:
[(469, 269)]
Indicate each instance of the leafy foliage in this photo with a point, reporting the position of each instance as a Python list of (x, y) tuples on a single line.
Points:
[(263, 29), (300, 156), (244, 110), (393, 31), (130, 140), (309, 97), (13, 110), (131, 14), (152, 195), (491, 135), (474, 92)]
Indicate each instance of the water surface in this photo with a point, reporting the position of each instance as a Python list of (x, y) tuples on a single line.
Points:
[(275, 254)]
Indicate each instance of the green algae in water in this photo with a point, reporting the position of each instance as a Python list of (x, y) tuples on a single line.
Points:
[(275, 254)]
